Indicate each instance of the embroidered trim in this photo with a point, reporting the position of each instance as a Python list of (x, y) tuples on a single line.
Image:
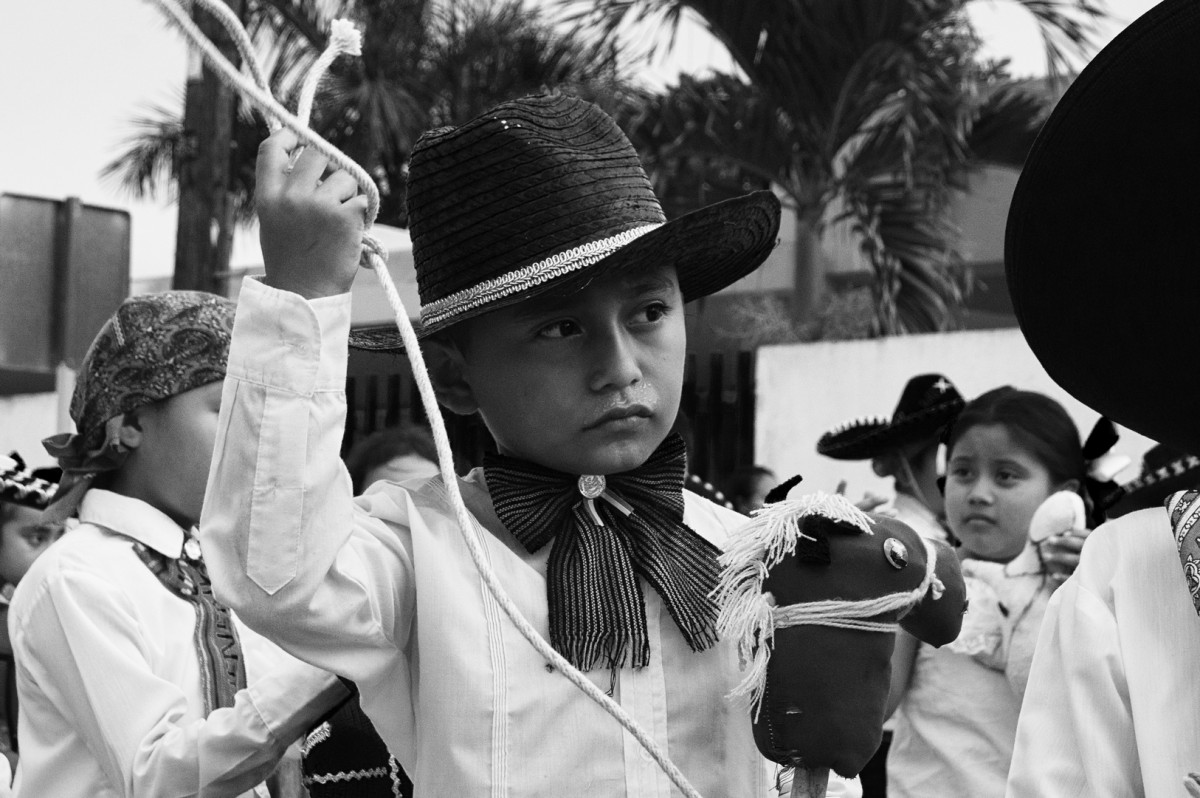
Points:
[(344, 775), (315, 738), (529, 276)]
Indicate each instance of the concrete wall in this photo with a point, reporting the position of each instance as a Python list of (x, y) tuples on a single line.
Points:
[(804, 390), (24, 420)]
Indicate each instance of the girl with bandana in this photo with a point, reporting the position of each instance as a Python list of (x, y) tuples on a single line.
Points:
[(132, 679)]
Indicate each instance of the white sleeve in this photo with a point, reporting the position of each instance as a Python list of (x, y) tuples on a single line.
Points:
[(286, 546), (80, 641), (1075, 733)]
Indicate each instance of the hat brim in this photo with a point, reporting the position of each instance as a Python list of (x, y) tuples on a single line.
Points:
[(712, 248), (1103, 244), (1143, 494), (871, 439)]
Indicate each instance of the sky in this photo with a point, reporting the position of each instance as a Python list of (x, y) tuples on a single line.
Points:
[(74, 72)]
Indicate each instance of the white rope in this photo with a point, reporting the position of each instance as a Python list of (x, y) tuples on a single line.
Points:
[(374, 256)]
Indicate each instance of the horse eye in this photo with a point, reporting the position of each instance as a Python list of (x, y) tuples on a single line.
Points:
[(895, 552)]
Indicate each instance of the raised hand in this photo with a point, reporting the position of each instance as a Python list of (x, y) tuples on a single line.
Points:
[(311, 223)]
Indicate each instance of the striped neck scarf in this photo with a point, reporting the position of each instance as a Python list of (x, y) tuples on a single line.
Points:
[(607, 531)]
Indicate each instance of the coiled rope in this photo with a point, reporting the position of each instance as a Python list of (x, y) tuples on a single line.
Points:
[(346, 39)]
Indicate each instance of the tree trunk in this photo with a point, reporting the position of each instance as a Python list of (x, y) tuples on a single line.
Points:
[(204, 199), (809, 285)]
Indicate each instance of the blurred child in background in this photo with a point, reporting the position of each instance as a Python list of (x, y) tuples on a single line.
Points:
[(1007, 453)]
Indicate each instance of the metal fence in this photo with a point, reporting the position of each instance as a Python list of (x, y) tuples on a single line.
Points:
[(716, 413)]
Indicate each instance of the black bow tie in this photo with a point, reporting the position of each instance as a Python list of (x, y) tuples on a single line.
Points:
[(607, 531)]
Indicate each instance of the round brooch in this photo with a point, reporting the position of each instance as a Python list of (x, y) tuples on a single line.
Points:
[(591, 485), (896, 553)]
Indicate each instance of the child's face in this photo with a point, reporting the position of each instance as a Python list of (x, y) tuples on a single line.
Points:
[(23, 537), (172, 459), (586, 384), (993, 487)]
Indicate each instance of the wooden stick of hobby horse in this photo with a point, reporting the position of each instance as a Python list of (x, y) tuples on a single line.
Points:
[(809, 782)]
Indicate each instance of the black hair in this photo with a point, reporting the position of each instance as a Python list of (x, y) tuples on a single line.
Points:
[(741, 482), (1036, 421), (387, 444)]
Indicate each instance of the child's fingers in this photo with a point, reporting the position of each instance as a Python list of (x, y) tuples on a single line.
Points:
[(341, 185), (273, 156), (308, 168)]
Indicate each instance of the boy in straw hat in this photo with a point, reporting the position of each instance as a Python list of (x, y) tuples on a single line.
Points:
[(1101, 253), (552, 292), (132, 679)]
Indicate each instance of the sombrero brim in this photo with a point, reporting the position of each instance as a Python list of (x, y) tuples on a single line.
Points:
[(1103, 244), (1153, 489), (868, 439), (712, 248)]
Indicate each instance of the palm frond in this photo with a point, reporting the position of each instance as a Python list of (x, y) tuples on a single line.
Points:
[(1068, 29), (148, 157), (1005, 125)]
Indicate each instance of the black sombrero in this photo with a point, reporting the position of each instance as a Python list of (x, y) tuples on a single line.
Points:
[(24, 486), (1103, 243), (1165, 470), (538, 190), (928, 403)]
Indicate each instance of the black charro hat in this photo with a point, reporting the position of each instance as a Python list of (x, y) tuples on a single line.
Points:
[(1102, 249), (1165, 470), (24, 486), (544, 189), (928, 403)]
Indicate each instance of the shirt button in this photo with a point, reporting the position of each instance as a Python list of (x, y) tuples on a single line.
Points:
[(646, 755)]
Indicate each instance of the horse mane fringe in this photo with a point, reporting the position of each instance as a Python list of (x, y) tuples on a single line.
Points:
[(746, 612)]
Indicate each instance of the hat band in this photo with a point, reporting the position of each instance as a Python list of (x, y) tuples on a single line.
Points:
[(535, 274)]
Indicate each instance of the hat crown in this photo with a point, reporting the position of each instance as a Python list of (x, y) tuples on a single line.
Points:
[(524, 182), (923, 392)]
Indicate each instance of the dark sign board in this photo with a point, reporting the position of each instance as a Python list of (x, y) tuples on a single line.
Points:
[(64, 268)]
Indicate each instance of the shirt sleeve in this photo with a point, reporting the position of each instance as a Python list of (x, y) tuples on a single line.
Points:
[(286, 546), (1075, 735), (82, 643)]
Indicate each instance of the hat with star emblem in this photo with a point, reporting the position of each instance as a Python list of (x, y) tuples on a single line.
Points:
[(928, 404)]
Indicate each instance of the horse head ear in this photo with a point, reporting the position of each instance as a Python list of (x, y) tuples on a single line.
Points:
[(780, 491)]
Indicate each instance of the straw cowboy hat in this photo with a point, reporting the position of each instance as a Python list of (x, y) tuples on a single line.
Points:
[(928, 403), (542, 190), (1102, 249)]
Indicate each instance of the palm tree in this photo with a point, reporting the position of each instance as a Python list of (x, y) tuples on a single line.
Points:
[(865, 112), (424, 64)]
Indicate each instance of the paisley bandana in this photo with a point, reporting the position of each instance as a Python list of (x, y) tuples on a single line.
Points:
[(154, 347), (1184, 509)]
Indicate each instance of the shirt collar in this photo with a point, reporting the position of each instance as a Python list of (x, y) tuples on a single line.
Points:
[(133, 518)]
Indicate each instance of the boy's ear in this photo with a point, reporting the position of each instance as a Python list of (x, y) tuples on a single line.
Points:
[(130, 433), (447, 372)]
